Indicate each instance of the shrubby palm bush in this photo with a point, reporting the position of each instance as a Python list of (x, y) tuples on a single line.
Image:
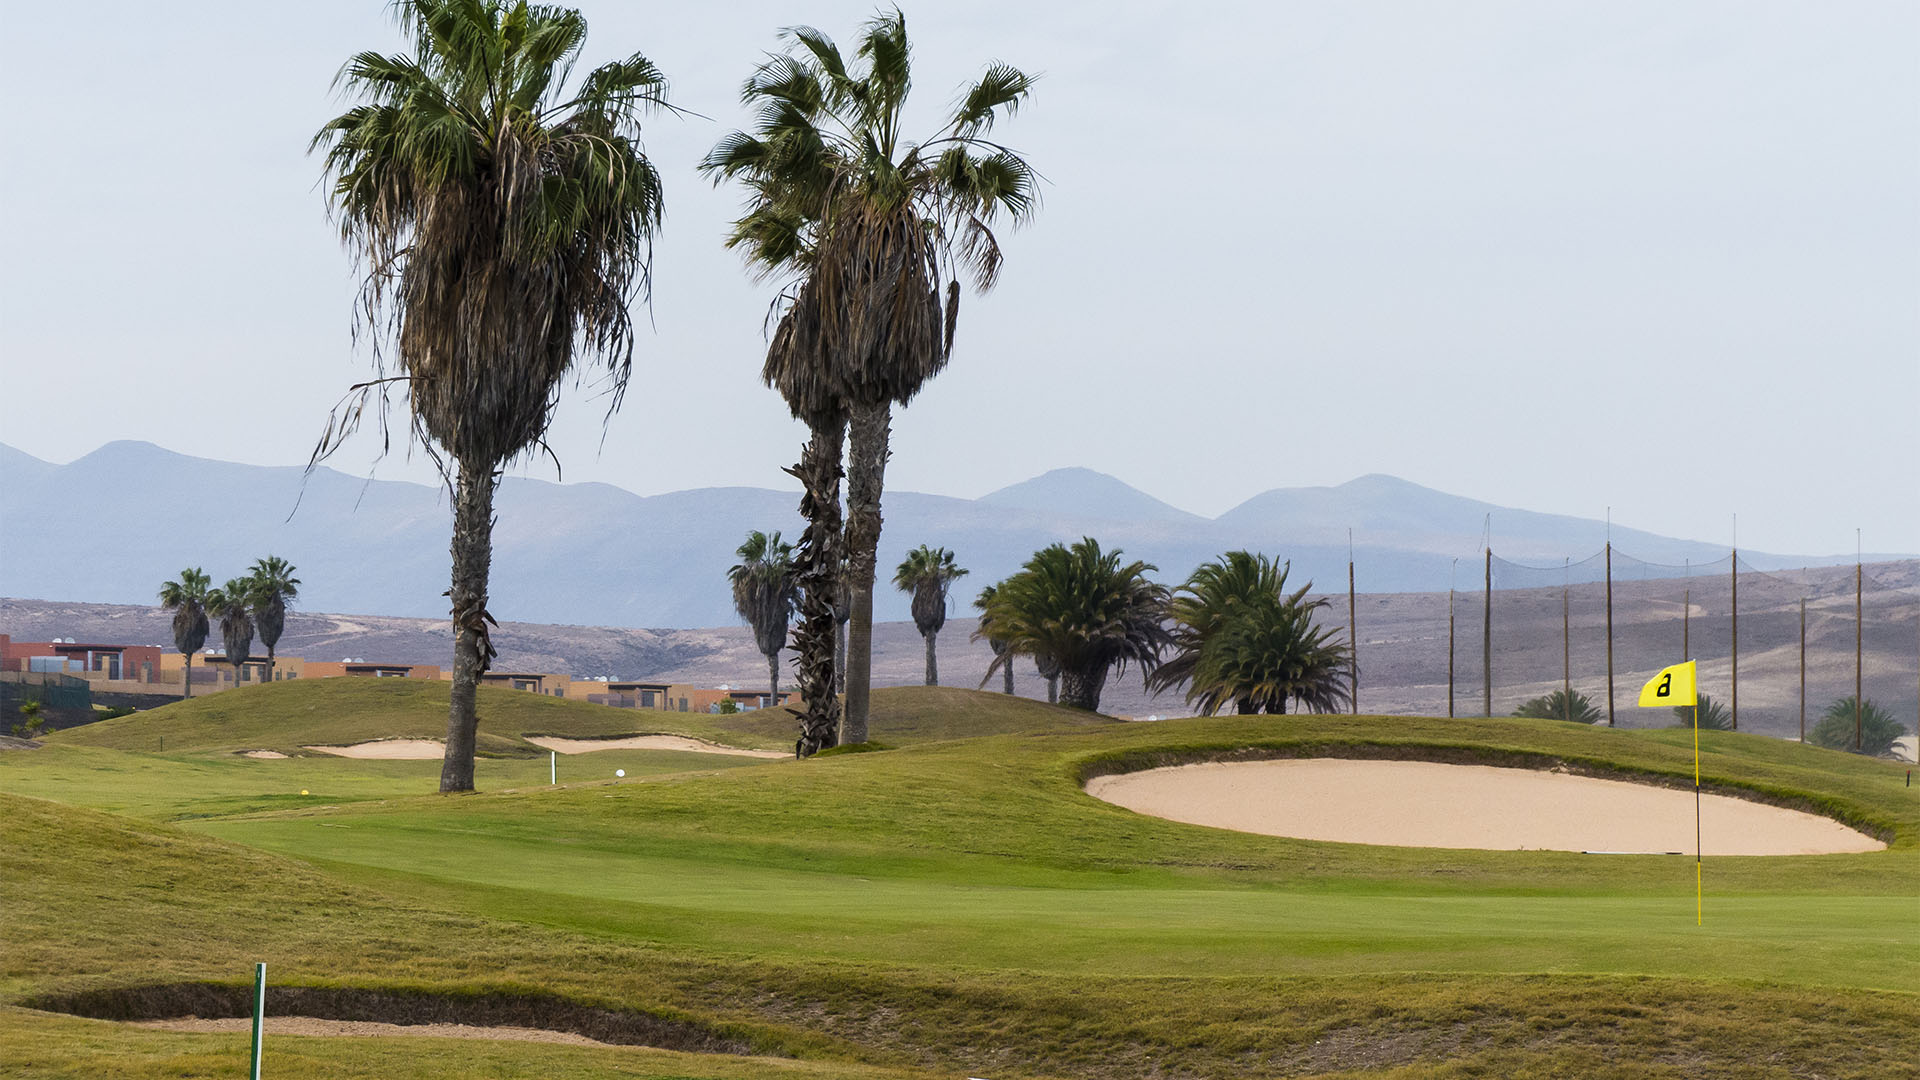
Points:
[(1081, 611), (1560, 705), (1239, 637), (1713, 715), (1877, 728)]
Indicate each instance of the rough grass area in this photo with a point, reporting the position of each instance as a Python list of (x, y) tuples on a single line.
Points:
[(961, 906)]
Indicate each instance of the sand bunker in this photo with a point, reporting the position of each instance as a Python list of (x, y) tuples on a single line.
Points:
[(648, 742), (388, 750), (264, 755), (1425, 804), (306, 1025)]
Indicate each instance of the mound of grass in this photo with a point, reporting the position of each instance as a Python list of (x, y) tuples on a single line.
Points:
[(286, 716)]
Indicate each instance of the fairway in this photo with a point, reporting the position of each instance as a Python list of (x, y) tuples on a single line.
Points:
[(1001, 919)]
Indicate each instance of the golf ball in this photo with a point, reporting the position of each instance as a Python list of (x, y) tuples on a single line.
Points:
[(619, 772), (303, 791)]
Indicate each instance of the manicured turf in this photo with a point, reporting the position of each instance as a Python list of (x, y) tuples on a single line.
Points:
[(962, 905)]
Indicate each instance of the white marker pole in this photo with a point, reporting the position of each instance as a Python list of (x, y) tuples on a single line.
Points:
[(553, 767), (259, 1015)]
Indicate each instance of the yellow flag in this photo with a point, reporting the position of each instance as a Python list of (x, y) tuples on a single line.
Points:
[(1673, 686)]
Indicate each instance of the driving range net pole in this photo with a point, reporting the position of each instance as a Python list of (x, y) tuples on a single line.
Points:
[(1736, 639), (1486, 640), (1353, 636), (1609, 633)]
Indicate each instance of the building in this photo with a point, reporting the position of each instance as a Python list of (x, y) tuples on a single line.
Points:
[(88, 660)]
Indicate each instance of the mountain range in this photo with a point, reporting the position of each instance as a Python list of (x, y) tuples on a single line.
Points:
[(112, 526)]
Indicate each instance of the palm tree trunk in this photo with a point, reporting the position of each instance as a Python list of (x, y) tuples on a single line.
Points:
[(933, 665), (472, 645), (1053, 689), (840, 657), (816, 564), (773, 678), (186, 674), (1081, 689), (866, 474), (1246, 707)]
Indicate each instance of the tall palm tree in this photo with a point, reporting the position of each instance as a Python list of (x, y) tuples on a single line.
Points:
[(928, 573), (273, 585), (764, 595), (232, 604), (187, 599), (998, 644), (873, 228), (505, 219), (1083, 611), (1240, 637)]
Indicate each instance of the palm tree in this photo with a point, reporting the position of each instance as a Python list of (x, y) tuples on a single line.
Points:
[(187, 599), (873, 228), (1049, 669), (928, 573), (273, 585), (1713, 715), (1574, 707), (764, 594), (232, 604), (1869, 730), (994, 641), (505, 227), (1080, 609), (1239, 636)]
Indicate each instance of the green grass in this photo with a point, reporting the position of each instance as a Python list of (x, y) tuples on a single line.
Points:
[(287, 716), (959, 904)]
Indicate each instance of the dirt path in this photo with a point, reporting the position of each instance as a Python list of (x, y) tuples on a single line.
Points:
[(1425, 804), (306, 1025)]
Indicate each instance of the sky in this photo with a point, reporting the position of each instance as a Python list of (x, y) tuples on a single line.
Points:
[(1654, 259)]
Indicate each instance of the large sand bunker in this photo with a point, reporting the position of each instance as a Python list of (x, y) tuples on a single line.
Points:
[(306, 1025), (648, 742), (1426, 804), (388, 750)]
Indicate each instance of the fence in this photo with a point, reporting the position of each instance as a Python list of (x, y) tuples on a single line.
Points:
[(1775, 647)]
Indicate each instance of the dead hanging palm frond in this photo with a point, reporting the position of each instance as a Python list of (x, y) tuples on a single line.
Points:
[(502, 227)]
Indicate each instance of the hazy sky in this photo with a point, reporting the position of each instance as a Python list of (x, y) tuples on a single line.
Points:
[(1659, 256)]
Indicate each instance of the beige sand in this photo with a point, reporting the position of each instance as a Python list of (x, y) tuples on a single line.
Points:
[(306, 1025), (388, 750), (648, 742), (1424, 804), (264, 754)]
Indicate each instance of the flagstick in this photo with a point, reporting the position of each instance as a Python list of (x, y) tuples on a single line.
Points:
[(1698, 912)]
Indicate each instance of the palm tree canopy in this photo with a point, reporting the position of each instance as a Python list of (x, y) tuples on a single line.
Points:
[(273, 585), (1576, 707), (1078, 609), (874, 226), (928, 573), (232, 604), (765, 588), (1240, 637), (1877, 727), (503, 218), (187, 599)]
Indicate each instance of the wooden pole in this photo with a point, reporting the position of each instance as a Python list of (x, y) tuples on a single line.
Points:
[(1353, 637), (1486, 639), (1449, 653), (1858, 628), (1803, 669), (1736, 639), (1609, 633), (1566, 653)]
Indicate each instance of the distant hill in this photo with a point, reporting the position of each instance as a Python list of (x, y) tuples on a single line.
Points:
[(115, 524)]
